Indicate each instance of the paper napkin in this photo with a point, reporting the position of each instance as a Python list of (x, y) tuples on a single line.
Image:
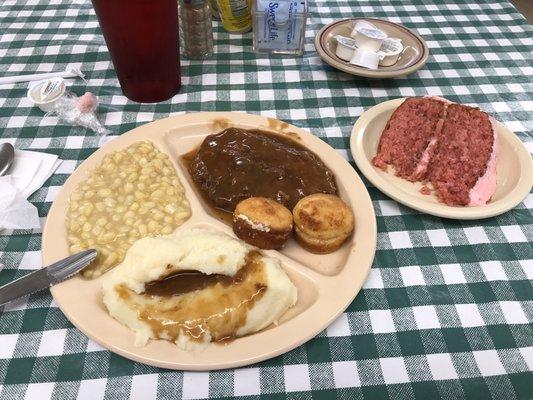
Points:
[(28, 173)]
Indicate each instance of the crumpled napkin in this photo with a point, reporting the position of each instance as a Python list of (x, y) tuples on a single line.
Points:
[(28, 173)]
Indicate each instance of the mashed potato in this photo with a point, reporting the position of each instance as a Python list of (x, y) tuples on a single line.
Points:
[(252, 293)]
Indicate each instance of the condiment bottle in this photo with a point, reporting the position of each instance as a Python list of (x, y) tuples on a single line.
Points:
[(196, 31), (235, 15)]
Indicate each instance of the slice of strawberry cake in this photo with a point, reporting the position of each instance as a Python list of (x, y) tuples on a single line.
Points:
[(408, 139), (452, 146)]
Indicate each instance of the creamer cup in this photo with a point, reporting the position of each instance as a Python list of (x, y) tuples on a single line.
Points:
[(390, 51), (360, 25), (46, 99), (345, 47), (369, 39), (365, 58)]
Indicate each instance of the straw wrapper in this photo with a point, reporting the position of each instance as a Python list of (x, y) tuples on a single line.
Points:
[(68, 73)]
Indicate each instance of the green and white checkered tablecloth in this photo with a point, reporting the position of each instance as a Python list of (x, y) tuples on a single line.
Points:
[(447, 309)]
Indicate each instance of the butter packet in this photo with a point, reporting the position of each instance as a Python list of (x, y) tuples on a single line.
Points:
[(279, 26)]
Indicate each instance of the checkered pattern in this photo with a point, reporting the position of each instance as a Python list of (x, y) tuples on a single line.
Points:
[(447, 309)]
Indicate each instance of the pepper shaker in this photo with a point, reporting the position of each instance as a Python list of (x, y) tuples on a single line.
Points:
[(196, 31), (214, 10)]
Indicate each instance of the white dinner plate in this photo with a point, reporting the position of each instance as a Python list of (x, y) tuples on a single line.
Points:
[(514, 179)]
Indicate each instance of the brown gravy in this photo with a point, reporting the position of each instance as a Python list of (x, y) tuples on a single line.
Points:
[(236, 164), (184, 282), (192, 303)]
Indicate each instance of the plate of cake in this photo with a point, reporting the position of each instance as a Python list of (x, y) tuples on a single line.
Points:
[(442, 158), (223, 239)]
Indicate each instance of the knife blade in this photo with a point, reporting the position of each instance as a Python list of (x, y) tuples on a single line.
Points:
[(46, 277)]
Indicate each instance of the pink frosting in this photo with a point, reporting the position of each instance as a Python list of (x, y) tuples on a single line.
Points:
[(485, 186), (422, 165)]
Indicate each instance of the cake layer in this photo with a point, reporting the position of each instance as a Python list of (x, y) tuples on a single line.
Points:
[(451, 145), (408, 139), (466, 143)]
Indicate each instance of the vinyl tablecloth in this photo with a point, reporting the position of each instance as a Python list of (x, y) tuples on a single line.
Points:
[(447, 309)]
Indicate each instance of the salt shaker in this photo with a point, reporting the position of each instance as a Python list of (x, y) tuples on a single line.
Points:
[(196, 31)]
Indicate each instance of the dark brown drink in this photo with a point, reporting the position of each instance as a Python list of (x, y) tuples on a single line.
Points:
[(142, 38)]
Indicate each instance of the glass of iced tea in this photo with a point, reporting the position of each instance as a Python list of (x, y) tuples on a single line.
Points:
[(142, 38)]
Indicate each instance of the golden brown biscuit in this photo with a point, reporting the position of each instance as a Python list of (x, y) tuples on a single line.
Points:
[(262, 222), (322, 222)]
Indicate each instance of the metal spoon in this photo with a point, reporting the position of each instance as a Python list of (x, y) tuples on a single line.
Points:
[(7, 155)]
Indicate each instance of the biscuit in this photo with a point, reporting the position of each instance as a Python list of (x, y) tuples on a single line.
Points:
[(262, 222), (322, 222)]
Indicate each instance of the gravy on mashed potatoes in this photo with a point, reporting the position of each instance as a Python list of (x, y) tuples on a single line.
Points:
[(196, 286)]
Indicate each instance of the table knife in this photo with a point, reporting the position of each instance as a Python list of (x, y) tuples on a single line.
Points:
[(46, 277)]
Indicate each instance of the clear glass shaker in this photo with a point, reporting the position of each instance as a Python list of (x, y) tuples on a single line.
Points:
[(196, 30)]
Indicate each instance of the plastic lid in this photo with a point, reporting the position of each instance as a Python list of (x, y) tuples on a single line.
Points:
[(372, 33)]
